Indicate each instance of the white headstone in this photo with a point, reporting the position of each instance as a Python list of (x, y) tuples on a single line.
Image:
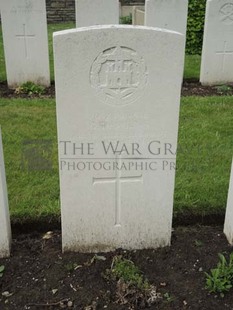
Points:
[(113, 88), (167, 14), (5, 229), (120, 10), (138, 16), (228, 227), (25, 41), (217, 51), (97, 12)]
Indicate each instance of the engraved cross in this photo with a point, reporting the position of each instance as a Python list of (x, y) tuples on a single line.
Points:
[(223, 54), (118, 180), (25, 37)]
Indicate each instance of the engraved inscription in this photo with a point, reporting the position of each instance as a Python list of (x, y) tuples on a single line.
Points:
[(117, 180), (119, 75), (116, 121), (25, 37), (223, 54), (226, 13)]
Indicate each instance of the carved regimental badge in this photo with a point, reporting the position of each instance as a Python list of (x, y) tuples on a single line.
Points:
[(226, 13), (119, 75)]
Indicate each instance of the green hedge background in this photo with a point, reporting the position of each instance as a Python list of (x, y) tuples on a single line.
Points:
[(195, 27)]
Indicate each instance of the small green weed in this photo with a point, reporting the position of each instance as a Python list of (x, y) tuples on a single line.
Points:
[(30, 88), (131, 287), (168, 298), (2, 269), (70, 267), (126, 20), (127, 271), (198, 243), (220, 279), (224, 89)]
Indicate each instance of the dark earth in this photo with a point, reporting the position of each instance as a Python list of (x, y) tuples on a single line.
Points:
[(38, 276), (190, 88)]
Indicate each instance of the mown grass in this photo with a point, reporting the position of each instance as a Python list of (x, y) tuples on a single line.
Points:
[(204, 157), (192, 62), (192, 67), (32, 194)]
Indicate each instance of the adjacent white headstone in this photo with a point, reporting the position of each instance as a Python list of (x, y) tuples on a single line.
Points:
[(228, 227), (138, 17), (167, 14), (217, 51), (97, 12), (116, 123), (126, 10), (5, 229), (25, 41)]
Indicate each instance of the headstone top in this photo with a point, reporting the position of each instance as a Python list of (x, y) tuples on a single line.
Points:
[(116, 28)]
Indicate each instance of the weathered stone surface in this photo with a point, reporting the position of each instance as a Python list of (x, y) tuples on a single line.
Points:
[(5, 229), (115, 117), (25, 42), (228, 227), (217, 51), (138, 17), (167, 14), (97, 12)]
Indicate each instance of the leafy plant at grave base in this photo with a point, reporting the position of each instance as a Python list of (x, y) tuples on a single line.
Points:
[(195, 26), (2, 268), (224, 89), (198, 243), (125, 269), (30, 88), (220, 279), (132, 288), (126, 19), (70, 267), (168, 298)]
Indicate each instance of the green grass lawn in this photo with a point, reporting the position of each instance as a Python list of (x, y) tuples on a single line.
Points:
[(204, 157), (192, 62), (192, 67)]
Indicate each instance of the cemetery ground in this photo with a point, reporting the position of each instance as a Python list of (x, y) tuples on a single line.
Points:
[(39, 276)]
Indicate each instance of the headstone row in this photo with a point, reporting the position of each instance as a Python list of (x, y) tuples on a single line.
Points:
[(26, 41)]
